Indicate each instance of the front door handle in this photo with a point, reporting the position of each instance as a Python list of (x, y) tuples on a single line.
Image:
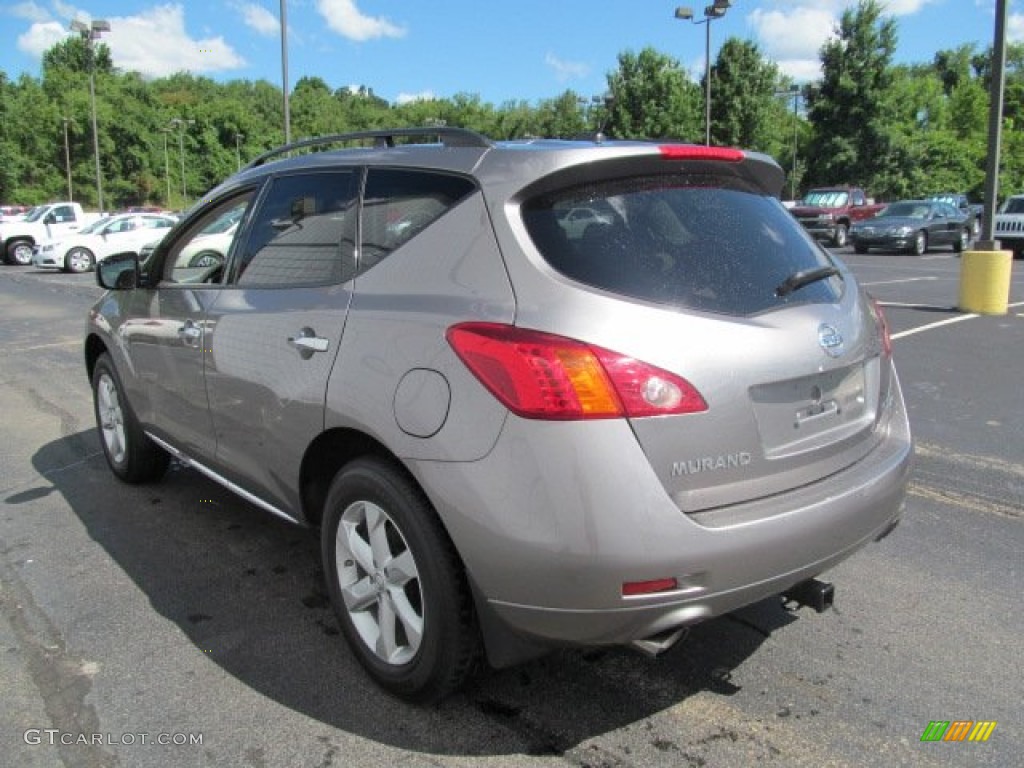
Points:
[(190, 333), (307, 342)]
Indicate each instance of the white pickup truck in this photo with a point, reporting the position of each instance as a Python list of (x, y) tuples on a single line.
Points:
[(44, 222)]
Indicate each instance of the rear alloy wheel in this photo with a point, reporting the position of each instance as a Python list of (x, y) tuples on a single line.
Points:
[(839, 237), (396, 583), (963, 242), (19, 252), (78, 260), (920, 244), (132, 456)]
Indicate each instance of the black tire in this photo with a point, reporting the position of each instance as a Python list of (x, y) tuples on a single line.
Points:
[(132, 456), (79, 260), (862, 249), (19, 252), (424, 604), (963, 242), (920, 245), (841, 235)]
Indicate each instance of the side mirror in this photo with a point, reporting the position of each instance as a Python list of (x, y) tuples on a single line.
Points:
[(119, 272)]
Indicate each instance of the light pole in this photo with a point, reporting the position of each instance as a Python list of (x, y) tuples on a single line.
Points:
[(714, 11), (67, 157), (795, 91), (167, 166), (181, 124), (90, 34), (284, 72), (238, 150)]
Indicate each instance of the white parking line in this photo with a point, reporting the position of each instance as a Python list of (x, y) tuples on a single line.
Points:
[(947, 321), (902, 280)]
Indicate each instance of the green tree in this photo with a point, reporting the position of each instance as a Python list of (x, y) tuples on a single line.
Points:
[(652, 98), (743, 103), (851, 141)]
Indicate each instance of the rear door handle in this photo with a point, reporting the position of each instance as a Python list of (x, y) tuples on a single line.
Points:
[(307, 342)]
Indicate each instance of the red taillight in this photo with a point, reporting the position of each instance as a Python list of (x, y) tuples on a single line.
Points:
[(883, 328), (540, 375), (695, 152), (634, 588)]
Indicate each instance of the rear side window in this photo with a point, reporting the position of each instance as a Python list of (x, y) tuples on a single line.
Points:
[(693, 242), (399, 204)]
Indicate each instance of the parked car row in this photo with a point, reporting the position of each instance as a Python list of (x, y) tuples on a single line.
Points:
[(913, 226)]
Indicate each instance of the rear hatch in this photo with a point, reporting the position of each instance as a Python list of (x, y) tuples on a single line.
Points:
[(694, 266)]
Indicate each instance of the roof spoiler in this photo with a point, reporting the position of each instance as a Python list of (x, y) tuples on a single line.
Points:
[(449, 137)]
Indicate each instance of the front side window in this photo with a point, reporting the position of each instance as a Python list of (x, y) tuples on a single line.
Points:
[(303, 232), (200, 254), (694, 242)]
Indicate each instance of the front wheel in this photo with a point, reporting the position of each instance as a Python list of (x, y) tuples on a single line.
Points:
[(920, 243), (19, 252), (839, 237), (396, 583), (132, 456), (78, 260)]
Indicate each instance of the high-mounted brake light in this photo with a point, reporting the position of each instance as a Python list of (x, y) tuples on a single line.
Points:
[(695, 152), (539, 375)]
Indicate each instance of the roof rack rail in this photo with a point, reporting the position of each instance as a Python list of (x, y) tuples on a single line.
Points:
[(450, 137)]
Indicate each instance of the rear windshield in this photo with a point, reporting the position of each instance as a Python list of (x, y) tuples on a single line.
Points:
[(686, 241)]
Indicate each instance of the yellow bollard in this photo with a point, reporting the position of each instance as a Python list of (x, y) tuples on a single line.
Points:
[(985, 282)]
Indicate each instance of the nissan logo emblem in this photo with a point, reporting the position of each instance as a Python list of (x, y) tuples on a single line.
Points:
[(830, 340)]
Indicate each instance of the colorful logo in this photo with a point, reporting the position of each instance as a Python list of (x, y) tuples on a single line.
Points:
[(958, 730)]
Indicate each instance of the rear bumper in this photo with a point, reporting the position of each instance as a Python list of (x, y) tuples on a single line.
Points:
[(556, 528)]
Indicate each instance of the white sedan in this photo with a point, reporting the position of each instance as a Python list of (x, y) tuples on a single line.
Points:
[(122, 233)]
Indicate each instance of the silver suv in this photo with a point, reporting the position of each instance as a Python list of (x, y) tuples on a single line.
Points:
[(514, 433)]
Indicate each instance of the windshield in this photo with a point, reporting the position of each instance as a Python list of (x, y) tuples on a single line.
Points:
[(1014, 205), (96, 226), (826, 199), (36, 213), (224, 223), (907, 210), (951, 199)]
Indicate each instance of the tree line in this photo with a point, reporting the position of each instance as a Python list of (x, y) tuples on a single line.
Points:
[(897, 130)]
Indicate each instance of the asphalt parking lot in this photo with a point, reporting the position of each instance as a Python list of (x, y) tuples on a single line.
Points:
[(180, 610)]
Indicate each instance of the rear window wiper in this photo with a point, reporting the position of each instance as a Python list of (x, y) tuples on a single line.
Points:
[(798, 280)]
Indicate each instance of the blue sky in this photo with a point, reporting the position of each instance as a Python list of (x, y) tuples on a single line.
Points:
[(407, 49)]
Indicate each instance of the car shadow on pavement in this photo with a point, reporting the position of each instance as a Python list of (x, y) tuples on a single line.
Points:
[(246, 589)]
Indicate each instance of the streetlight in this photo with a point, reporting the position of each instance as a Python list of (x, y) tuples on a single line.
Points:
[(67, 157), (238, 150), (90, 34), (284, 72), (795, 91), (715, 11), (167, 166), (181, 124)]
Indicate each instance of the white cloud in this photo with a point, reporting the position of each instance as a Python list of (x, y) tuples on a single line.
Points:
[(343, 17), (405, 98), (156, 44), (30, 12), (1015, 27), (566, 70), (41, 37), (261, 20), (793, 37), (905, 7)]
